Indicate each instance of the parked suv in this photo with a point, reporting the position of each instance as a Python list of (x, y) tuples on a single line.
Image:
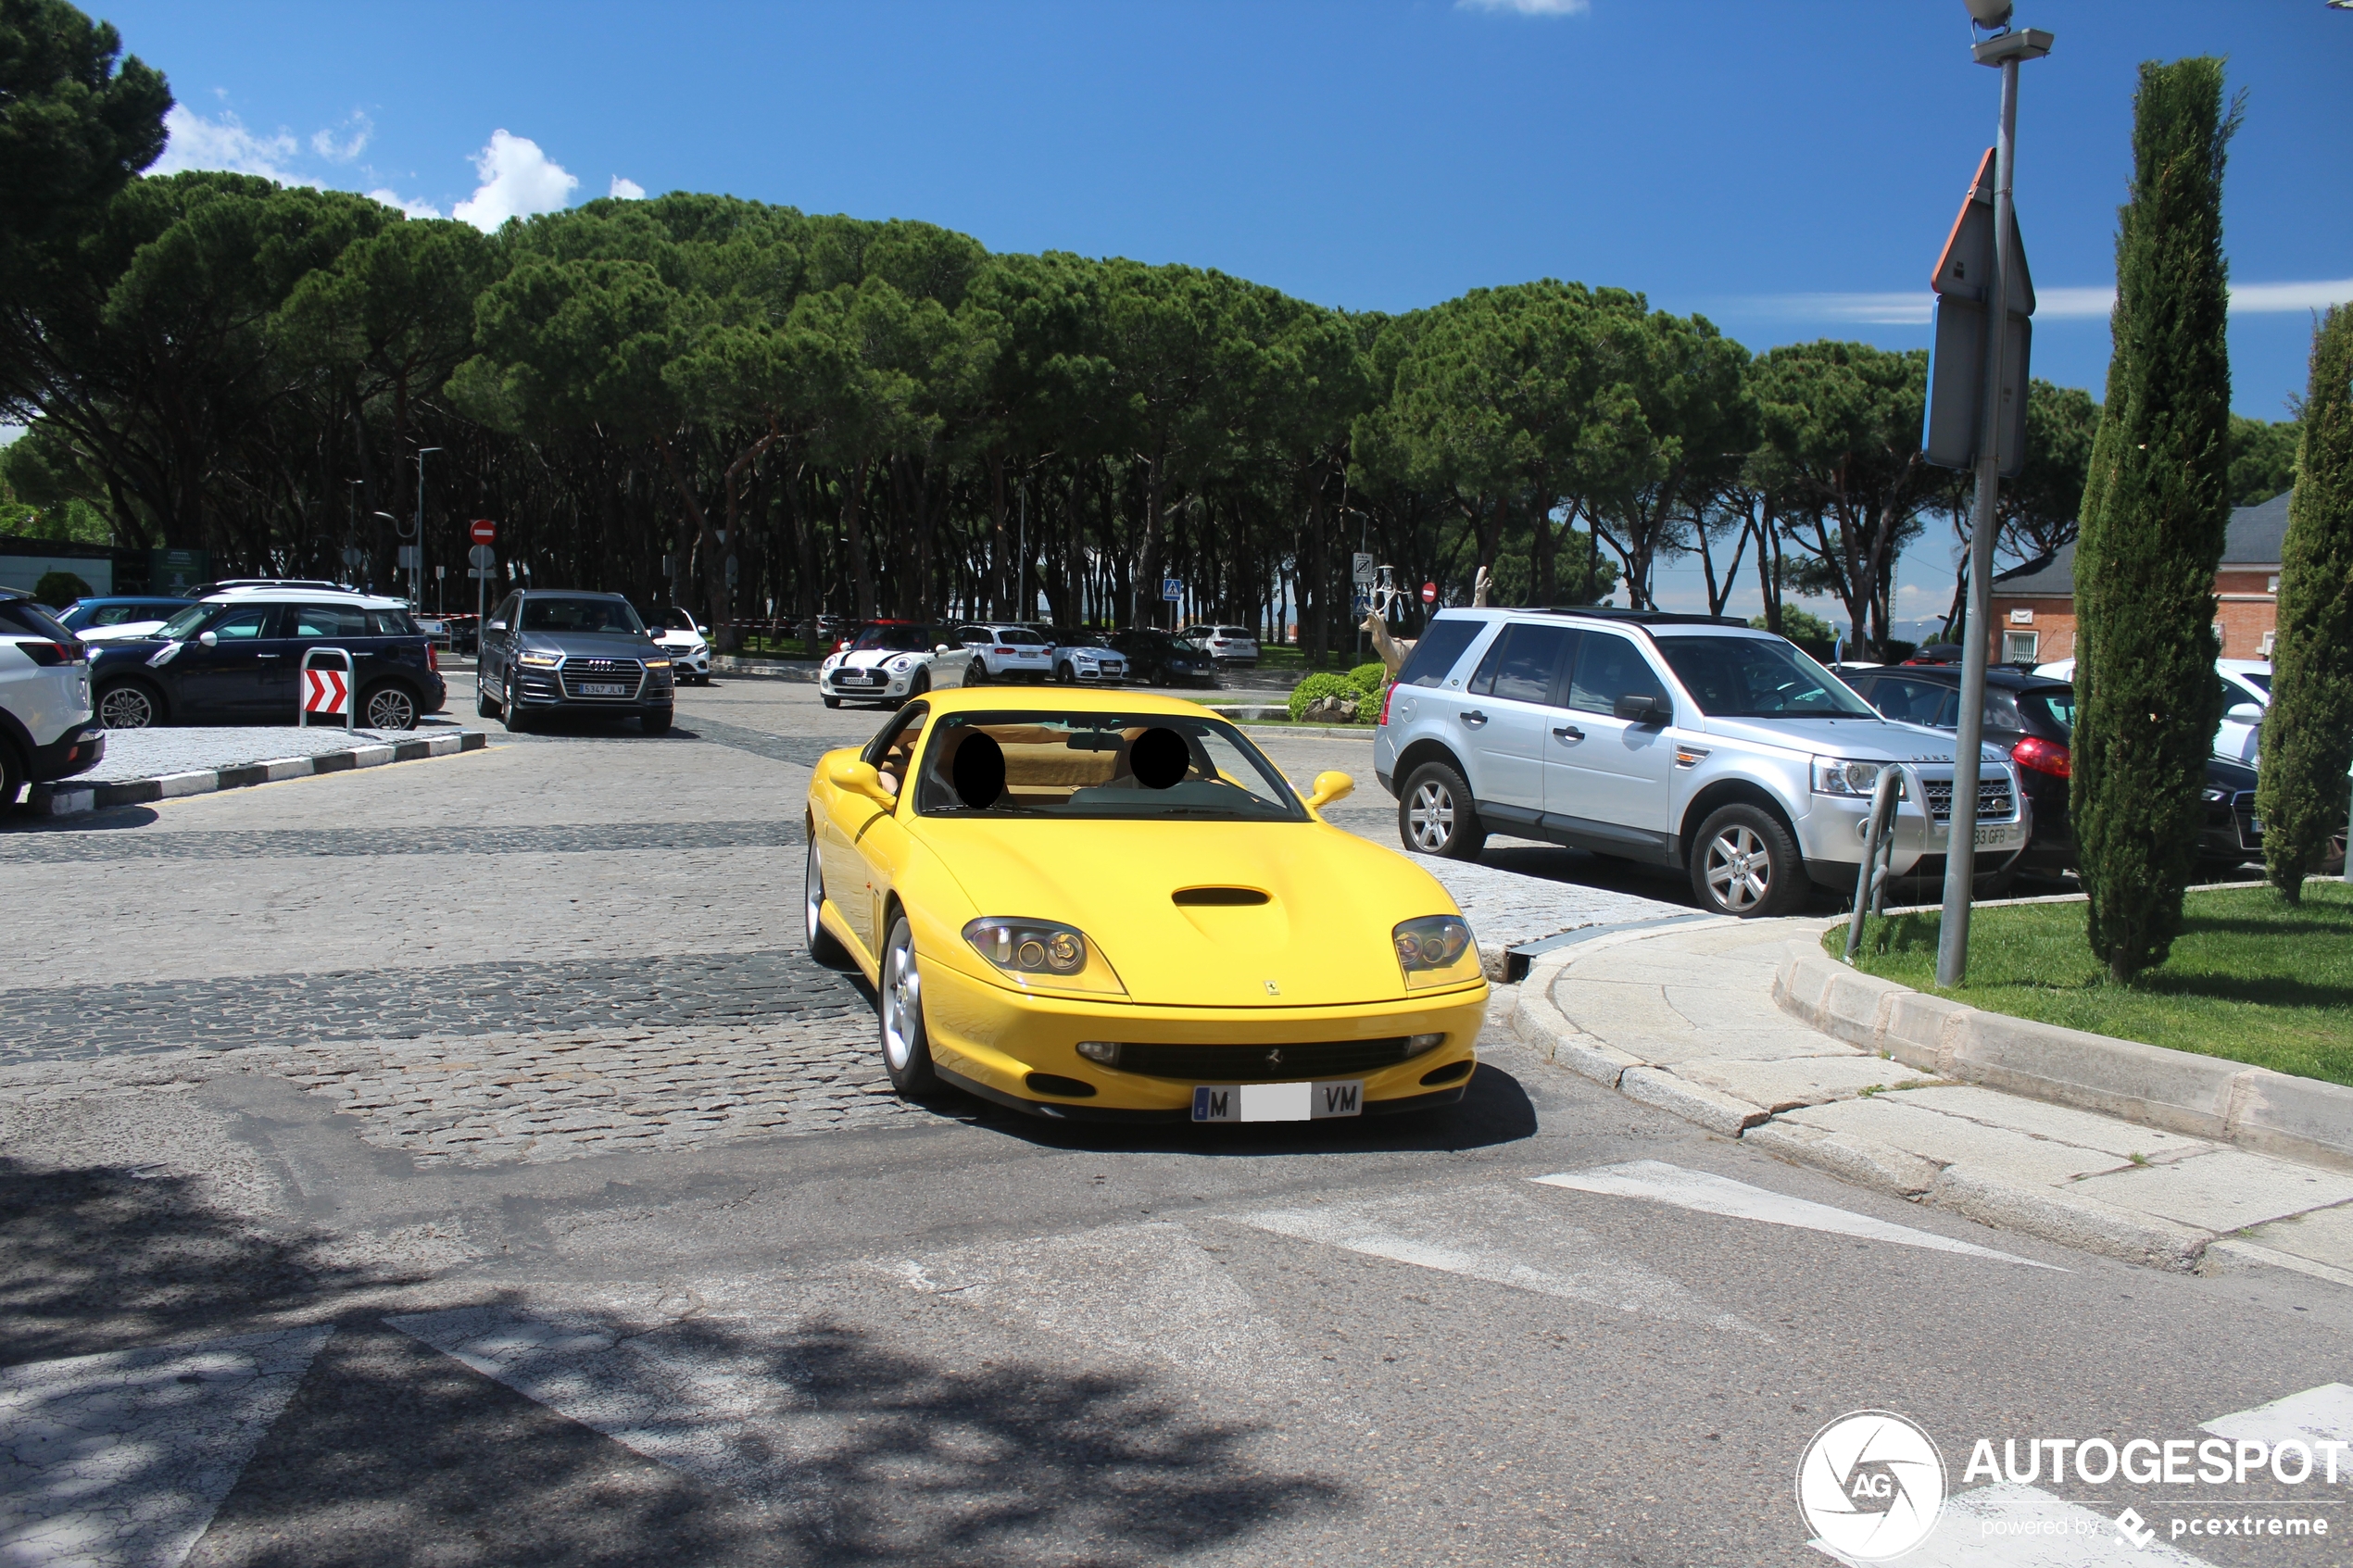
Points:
[(560, 650), (1691, 742), (45, 728), (1226, 644), (1002, 651), (236, 658)]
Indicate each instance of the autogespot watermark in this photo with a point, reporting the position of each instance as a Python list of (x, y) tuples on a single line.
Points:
[(1873, 1486)]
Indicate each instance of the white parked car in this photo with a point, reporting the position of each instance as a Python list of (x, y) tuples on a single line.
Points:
[(2246, 694), (47, 730), (688, 646), (1003, 651), (1226, 644), (1083, 659)]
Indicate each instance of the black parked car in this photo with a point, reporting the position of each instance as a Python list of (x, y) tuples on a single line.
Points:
[(2033, 718), (554, 650), (236, 658), (1155, 657)]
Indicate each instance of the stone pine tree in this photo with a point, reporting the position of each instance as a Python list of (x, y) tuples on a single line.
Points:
[(2308, 733), (2156, 505)]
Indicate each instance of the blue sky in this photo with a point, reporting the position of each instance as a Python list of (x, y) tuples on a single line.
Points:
[(1788, 170)]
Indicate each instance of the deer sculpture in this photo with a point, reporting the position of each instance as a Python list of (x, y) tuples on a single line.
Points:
[(1394, 653)]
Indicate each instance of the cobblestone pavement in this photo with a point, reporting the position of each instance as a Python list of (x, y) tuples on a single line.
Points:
[(38, 845)]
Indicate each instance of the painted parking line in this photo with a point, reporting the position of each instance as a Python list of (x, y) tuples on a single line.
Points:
[(1702, 1192), (118, 1461), (2315, 1416), (1500, 1233)]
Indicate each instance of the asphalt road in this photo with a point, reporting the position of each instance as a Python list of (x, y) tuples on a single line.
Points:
[(460, 1163)]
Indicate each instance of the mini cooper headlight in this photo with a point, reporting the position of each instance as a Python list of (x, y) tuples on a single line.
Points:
[(1043, 953), (1435, 950), (1836, 775)]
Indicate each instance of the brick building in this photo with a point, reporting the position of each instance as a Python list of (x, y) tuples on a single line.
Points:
[(2034, 604)]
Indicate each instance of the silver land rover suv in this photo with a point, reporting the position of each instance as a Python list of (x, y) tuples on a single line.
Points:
[(1691, 741)]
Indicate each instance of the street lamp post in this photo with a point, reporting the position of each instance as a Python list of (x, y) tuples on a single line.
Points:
[(2005, 50), (419, 594)]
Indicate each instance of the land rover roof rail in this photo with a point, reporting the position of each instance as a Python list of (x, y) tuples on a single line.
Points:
[(1648, 617)]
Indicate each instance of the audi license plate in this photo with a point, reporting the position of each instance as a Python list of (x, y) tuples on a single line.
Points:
[(604, 688), (1278, 1102)]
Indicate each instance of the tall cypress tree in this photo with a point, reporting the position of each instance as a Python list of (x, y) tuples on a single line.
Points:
[(2156, 506), (2308, 733)]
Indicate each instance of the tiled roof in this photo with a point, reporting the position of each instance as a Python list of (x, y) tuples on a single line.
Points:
[(2254, 540)]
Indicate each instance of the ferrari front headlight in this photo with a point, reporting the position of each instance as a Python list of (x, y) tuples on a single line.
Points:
[(1435, 950), (1042, 953)]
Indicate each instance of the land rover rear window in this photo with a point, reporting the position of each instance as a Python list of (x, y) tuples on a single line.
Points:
[(1442, 644)]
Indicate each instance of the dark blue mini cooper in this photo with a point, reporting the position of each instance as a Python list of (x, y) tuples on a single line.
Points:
[(236, 658)]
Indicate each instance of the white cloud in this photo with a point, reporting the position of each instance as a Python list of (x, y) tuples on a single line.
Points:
[(625, 189), (1529, 7), (2269, 298), (516, 180), (359, 129), (197, 142), (413, 207)]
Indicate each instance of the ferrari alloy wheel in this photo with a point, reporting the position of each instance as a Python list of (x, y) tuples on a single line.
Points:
[(1747, 864), (1437, 816), (906, 1050), (822, 947)]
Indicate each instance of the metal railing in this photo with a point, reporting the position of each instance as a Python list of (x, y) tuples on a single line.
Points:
[(1878, 855)]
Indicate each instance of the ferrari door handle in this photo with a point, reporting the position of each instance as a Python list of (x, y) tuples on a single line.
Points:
[(1570, 732), (1474, 718)]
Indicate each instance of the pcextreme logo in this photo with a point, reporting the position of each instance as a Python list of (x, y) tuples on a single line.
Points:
[(1870, 1485)]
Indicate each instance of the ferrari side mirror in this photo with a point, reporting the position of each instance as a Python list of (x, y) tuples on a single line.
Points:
[(859, 778), (1329, 787)]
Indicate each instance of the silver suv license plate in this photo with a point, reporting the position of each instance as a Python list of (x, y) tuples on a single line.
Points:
[(1992, 838), (1278, 1102)]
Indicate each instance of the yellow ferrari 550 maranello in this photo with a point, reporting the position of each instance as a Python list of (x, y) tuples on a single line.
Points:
[(1107, 905)]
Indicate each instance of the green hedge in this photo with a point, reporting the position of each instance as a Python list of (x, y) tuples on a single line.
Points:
[(1322, 684), (1369, 678)]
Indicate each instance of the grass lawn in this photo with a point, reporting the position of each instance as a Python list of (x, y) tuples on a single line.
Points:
[(2250, 978)]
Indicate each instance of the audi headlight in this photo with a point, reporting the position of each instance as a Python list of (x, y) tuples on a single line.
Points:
[(1836, 775), (657, 664), (540, 660), (1435, 950), (1042, 953)]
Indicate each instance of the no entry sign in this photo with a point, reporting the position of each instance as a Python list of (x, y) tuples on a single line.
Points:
[(483, 532), (1429, 593), (326, 691)]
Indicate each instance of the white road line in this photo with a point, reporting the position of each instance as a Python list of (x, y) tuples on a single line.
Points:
[(1151, 1291), (2001, 1526), (118, 1460), (1502, 1234), (682, 1391), (2317, 1415), (1706, 1193)]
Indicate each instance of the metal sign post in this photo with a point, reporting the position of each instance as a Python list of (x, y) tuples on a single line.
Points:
[(482, 559), (2004, 51), (329, 691)]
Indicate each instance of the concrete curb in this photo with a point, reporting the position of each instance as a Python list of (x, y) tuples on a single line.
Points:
[(2203, 1097), (67, 798)]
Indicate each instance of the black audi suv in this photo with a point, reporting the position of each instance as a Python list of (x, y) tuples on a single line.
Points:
[(558, 650)]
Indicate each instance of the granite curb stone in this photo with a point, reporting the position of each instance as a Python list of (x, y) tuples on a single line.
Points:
[(64, 798), (2180, 1091)]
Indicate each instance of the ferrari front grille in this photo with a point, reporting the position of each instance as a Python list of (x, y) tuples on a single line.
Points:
[(1270, 1063)]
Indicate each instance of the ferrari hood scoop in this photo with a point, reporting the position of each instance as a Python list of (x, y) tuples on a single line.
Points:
[(1219, 898)]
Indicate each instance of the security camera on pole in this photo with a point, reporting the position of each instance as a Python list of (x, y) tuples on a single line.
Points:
[(1983, 301)]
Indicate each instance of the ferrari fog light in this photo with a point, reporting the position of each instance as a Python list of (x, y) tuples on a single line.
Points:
[(1421, 1043), (1104, 1051)]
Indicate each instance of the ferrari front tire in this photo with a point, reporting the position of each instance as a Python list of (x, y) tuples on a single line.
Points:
[(823, 945), (906, 1048)]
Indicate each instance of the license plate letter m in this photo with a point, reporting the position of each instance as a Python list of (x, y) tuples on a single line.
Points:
[(1339, 1100), (1213, 1105)]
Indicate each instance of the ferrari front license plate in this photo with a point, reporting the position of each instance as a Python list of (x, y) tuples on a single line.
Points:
[(1278, 1102), (603, 688)]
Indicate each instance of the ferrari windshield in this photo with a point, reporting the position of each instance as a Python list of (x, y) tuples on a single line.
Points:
[(1098, 765)]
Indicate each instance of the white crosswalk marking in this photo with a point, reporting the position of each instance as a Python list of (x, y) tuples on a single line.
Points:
[(1706, 1193), (681, 1390), (2317, 1415), (1500, 1234), (118, 1460), (2011, 1526), (1152, 1291)]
